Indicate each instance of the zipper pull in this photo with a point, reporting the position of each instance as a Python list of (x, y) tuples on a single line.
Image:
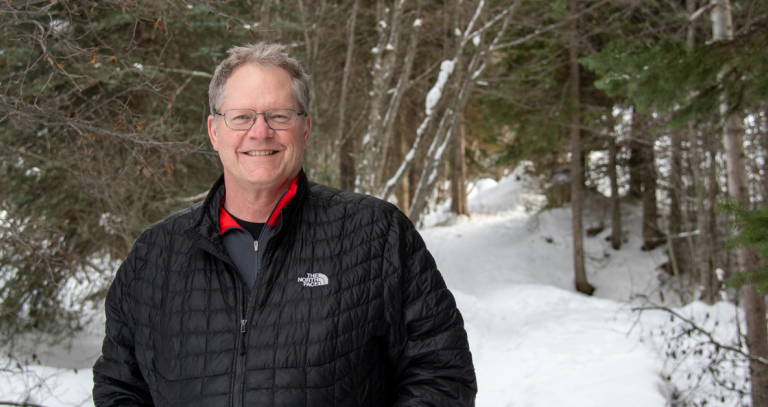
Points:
[(256, 245), (242, 326)]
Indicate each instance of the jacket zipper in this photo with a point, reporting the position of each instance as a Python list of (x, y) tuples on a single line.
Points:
[(240, 347), (244, 316)]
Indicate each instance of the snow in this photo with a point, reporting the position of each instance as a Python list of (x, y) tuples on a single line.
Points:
[(534, 340), (440, 150), (433, 96), (479, 71)]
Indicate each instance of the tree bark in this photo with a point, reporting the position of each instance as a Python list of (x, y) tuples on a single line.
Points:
[(576, 152), (635, 162), (403, 83), (459, 173), (700, 254), (715, 248), (764, 142), (676, 224), (384, 61), (615, 198), (647, 169), (344, 148), (738, 189), (402, 192), (703, 247)]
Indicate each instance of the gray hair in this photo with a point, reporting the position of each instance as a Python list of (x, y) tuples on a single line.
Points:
[(262, 55)]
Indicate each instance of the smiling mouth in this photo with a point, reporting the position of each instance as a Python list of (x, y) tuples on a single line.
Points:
[(262, 152)]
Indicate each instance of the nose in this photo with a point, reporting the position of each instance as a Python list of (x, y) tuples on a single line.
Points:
[(260, 128)]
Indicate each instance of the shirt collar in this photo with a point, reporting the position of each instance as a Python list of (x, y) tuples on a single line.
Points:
[(227, 221)]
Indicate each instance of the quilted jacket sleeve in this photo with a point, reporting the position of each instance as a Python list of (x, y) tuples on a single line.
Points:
[(116, 376), (428, 343)]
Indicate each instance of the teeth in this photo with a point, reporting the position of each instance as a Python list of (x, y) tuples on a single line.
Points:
[(263, 152)]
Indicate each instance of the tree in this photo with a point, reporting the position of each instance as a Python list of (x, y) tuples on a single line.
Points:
[(615, 198), (726, 75), (577, 182), (101, 128), (344, 145), (738, 189)]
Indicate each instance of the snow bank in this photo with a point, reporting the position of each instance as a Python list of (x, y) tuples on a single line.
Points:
[(537, 345), (514, 192)]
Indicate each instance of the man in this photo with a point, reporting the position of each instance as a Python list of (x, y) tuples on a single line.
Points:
[(276, 291)]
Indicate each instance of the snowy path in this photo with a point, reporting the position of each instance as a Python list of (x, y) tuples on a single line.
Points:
[(534, 341)]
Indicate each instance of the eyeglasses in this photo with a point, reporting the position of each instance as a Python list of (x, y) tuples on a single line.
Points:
[(277, 119)]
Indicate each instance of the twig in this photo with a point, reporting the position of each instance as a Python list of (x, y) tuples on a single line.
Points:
[(705, 333)]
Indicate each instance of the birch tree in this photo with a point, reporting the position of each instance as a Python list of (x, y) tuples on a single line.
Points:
[(464, 82), (384, 63)]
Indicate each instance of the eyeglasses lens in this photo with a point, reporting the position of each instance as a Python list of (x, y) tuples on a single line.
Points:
[(243, 119)]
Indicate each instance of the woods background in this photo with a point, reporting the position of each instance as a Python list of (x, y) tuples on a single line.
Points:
[(104, 104)]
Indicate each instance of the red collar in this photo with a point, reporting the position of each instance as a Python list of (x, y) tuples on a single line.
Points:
[(227, 221)]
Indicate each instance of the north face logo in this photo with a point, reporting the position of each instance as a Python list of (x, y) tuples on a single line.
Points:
[(314, 280)]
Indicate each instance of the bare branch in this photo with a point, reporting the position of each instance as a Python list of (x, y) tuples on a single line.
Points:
[(710, 339)]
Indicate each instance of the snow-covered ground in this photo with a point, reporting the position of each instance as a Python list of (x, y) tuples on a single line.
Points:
[(534, 340)]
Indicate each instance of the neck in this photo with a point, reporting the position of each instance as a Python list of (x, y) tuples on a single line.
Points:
[(254, 204)]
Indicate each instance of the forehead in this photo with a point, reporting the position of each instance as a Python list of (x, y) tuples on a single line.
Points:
[(256, 85)]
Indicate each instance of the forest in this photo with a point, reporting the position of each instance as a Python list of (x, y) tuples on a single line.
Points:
[(661, 102)]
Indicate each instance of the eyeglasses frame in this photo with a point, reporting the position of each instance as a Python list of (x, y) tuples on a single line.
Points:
[(264, 113)]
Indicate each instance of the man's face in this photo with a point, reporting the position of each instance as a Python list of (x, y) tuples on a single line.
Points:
[(259, 158)]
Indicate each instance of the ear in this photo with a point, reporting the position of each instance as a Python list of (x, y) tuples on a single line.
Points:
[(212, 135), (307, 129)]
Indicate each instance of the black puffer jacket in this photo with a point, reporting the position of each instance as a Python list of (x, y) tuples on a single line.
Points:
[(384, 330)]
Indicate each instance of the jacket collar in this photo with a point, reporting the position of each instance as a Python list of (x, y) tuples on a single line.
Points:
[(226, 221), (208, 223)]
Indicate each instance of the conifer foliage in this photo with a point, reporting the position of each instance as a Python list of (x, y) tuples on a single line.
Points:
[(751, 228)]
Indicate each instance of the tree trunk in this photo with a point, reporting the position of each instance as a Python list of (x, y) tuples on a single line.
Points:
[(403, 83), (345, 147), (384, 62), (459, 173), (405, 168), (764, 142), (676, 224), (402, 192), (635, 162), (464, 83), (576, 151), (703, 247), (615, 198), (647, 168), (738, 189), (713, 147), (700, 254)]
